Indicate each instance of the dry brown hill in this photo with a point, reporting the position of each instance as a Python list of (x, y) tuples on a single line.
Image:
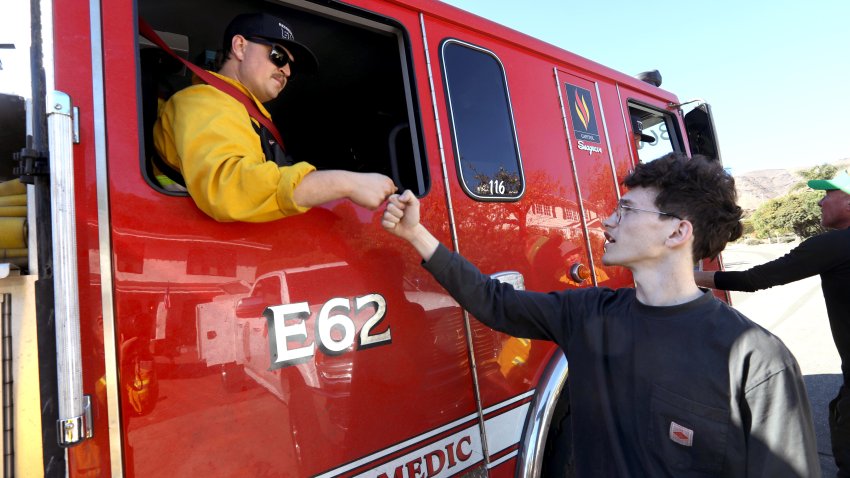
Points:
[(756, 187)]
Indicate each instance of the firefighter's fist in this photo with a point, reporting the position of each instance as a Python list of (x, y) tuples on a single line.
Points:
[(372, 190)]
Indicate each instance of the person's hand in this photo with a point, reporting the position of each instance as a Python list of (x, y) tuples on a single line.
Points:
[(370, 190), (402, 215), (402, 219)]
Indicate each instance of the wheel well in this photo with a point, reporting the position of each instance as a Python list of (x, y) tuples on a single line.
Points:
[(543, 409)]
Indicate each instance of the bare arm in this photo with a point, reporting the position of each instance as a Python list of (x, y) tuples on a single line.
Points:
[(704, 279), (364, 189), (402, 219)]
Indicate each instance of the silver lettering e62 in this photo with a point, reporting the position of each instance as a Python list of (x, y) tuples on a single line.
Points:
[(288, 323)]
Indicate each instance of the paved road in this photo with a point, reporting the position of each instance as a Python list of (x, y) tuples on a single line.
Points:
[(796, 314)]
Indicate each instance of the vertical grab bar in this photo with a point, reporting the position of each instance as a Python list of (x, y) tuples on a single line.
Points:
[(74, 424)]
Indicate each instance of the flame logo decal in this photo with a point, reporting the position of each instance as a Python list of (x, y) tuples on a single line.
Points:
[(582, 110)]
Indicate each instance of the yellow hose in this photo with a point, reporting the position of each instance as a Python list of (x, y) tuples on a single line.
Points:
[(16, 200), (12, 188), (13, 211), (13, 232), (9, 253)]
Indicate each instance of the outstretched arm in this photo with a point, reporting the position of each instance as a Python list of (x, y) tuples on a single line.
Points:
[(402, 219), (364, 189), (520, 313), (704, 279)]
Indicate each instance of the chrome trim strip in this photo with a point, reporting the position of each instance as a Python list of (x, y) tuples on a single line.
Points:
[(476, 389), (32, 243), (439, 134), (71, 425), (104, 244), (530, 459), (575, 177), (607, 139), (627, 126), (76, 118)]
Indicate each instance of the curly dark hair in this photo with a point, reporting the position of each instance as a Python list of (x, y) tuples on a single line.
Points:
[(697, 189)]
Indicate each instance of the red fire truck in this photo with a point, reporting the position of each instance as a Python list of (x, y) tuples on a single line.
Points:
[(142, 338)]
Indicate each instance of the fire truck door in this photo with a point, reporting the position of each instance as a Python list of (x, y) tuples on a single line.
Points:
[(514, 200), (596, 159), (295, 347)]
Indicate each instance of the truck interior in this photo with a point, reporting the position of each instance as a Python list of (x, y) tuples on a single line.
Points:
[(357, 113), (659, 125)]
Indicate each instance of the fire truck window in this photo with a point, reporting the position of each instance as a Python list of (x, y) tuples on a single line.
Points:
[(662, 129), (486, 148), (359, 112)]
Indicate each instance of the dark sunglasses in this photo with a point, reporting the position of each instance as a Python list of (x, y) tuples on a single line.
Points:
[(277, 55)]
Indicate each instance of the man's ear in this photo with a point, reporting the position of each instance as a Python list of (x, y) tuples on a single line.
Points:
[(237, 47), (681, 235)]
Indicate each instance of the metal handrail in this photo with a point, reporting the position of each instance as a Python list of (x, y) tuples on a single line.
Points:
[(530, 458), (74, 423)]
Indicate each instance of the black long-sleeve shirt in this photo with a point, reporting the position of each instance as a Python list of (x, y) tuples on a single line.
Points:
[(827, 255), (693, 390)]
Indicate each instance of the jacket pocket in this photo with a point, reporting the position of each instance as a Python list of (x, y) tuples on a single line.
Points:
[(687, 435)]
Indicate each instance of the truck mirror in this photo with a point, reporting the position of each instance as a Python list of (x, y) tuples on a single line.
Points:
[(250, 307), (699, 125)]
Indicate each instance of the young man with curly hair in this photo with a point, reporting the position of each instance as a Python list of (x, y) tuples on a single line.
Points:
[(665, 380)]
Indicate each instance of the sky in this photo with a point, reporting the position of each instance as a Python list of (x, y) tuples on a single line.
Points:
[(775, 72), (772, 70), (14, 29)]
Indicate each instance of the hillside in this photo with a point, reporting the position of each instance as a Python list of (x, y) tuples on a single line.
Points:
[(756, 187)]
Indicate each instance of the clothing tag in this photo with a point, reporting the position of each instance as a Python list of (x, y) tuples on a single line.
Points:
[(681, 435)]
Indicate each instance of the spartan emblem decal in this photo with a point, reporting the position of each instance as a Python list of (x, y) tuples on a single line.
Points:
[(582, 114), (286, 33)]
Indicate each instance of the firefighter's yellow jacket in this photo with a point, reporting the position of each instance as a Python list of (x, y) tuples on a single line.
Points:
[(208, 136)]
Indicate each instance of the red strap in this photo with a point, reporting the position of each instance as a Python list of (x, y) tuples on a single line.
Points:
[(146, 31)]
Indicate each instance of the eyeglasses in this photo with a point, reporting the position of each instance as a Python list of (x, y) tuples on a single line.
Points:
[(277, 55), (618, 211)]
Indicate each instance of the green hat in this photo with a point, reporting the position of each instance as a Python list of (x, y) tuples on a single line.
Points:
[(841, 181)]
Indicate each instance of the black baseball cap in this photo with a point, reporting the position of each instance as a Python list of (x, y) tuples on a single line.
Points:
[(275, 31), (637, 128)]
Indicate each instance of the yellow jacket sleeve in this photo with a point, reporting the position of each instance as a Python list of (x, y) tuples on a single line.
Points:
[(214, 146)]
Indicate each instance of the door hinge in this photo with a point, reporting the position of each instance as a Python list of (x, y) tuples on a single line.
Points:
[(31, 163)]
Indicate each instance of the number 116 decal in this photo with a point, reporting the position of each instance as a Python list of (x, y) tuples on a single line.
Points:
[(334, 331)]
